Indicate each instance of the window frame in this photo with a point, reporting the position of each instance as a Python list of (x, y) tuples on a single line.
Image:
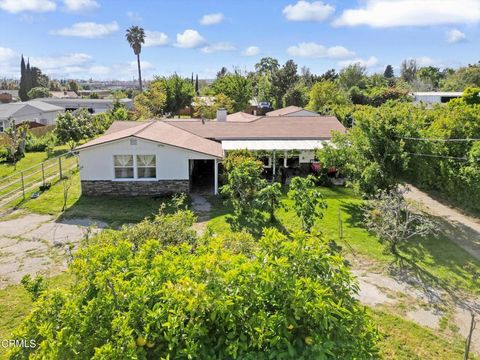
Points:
[(135, 168), (115, 167)]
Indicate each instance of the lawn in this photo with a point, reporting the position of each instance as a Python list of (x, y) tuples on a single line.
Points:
[(15, 304), (403, 340), (113, 211), (30, 159), (435, 259)]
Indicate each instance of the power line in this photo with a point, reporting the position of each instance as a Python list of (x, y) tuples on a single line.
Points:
[(442, 140), (439, 156)]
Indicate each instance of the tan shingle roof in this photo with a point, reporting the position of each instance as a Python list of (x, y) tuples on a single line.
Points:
[(242, 117), (160, 132), (277, 127), (285, 111)]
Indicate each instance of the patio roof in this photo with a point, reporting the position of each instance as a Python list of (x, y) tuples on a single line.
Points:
[(272, 144)]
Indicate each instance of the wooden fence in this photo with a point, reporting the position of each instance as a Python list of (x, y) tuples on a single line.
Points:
[(19, 185)]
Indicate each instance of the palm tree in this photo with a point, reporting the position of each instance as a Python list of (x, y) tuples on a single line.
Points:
[(136, 37)]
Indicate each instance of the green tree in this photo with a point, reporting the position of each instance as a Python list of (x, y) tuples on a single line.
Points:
[(236, 87), (408, 70), (394, 220), (170, 295), (152, 102), (243, 184), (71, 129), (282, 80), (16, 138), (308, 201), (38, 92), (430, 75), (471, 96), (179, 92), (23, 90), (267, 66), (135, 36), (352, 75), (204, 106), (296, 95), (325, 96), (389, 73), (73, 86)]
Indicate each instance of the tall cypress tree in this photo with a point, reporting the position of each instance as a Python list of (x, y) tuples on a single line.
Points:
[(22, 92), (196, 84), (29, 78)]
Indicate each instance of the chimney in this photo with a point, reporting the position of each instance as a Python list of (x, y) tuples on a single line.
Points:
[(221, 115)]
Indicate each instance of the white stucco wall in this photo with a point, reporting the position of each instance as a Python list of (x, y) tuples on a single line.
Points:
[(96, 163), (44, 118), (303, 113)]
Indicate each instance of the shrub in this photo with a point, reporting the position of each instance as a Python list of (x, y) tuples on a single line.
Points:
[(37, 144), (220, 298), (308, 201)]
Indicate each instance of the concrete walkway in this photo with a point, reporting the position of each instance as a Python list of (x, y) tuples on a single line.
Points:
[(464, 230), (201, 207), (37, 244)]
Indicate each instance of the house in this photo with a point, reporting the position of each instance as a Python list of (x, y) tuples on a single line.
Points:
[(94, 106), (176, 155), (34, 112), (64, 95), (291, 111), (435, 97)]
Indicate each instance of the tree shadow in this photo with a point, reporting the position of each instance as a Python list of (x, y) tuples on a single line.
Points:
[(355, 212)]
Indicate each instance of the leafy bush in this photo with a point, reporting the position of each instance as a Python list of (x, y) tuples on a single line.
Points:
[(308, 201), (37, 144), (140, 297)]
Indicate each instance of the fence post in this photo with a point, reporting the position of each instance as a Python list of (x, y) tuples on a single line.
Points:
[(23, 186), (60, 167), (340, 225), (43, 174)]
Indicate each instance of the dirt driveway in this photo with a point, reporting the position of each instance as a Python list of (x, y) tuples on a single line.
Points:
[(37, 244)]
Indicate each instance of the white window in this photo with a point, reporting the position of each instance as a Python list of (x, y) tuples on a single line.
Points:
[(146, 167), (123, 165)]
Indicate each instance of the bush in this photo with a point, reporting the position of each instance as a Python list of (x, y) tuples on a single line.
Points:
[(140, 297), (37, 144)]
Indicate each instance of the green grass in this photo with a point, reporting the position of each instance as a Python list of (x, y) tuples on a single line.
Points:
[(15, 304), (113, 211), (435, 260), (404, 340), (30, 159)]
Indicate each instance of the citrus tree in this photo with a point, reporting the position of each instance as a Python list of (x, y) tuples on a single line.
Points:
[(142, 294)]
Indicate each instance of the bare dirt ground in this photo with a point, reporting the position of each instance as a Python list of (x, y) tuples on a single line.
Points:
[(201, 207), (38, 244), (463, 230)]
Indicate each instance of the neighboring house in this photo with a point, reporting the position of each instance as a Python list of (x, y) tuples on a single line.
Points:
[(435, 97), (64, 95), (165, 156), (291, 111), (94, 106), (34, 112), (8, 96)]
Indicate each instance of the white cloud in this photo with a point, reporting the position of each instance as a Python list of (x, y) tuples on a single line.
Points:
[(81, 5), (251, 51), (16, 6), (53, 63), (99, 70), (212, 19), (314, 50), (144, 64), (155, 38), (221, 46), (6, 54), (455, 36), (189, 39), (306, 11), (368, 63), (132, 15), (393, 13), (88, 30)]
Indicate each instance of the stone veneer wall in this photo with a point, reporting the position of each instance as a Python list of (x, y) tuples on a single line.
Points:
[(134, 188)]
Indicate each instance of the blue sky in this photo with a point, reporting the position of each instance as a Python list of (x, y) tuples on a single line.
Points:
[(85, 38)]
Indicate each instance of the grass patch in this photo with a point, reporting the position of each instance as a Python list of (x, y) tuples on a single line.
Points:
[(435, 260), (405, 340), (30, 159), (115, 211), (15, 305)]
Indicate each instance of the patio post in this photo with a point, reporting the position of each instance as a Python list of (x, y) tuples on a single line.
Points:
[(274, 167), (215, 184)]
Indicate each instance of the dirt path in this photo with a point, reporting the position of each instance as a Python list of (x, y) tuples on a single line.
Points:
[(433, 308), (37, 244), (201, 207), (463, 230)]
